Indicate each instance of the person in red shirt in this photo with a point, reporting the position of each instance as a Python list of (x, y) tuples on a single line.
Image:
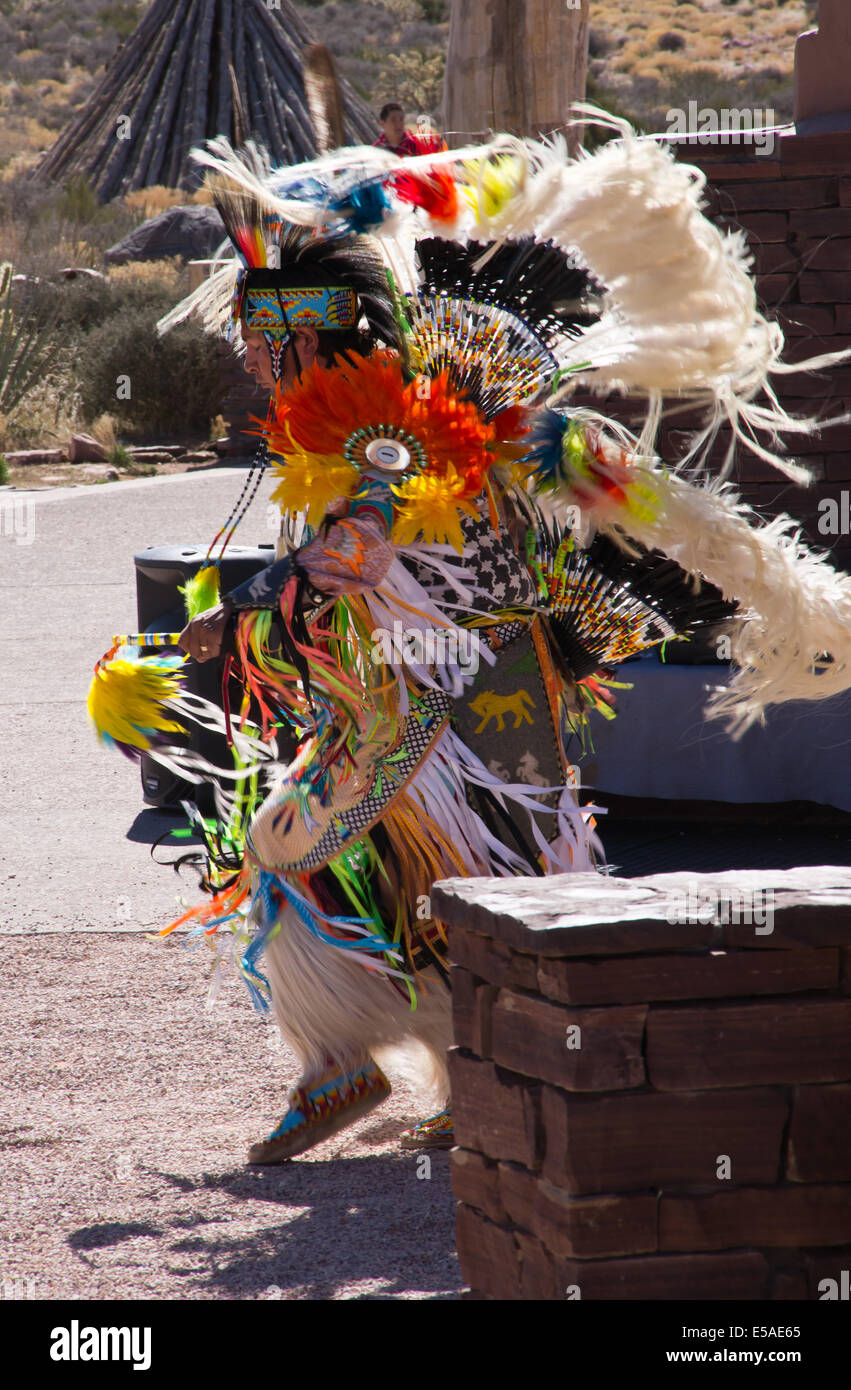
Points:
[(394, 136)]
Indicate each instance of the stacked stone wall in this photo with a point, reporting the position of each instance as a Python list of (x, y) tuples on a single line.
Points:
[(646, 1106)]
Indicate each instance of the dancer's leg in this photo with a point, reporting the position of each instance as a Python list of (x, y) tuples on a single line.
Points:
[(335, 1014)]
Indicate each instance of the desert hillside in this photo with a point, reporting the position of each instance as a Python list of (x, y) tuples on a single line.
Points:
[(644, 58)]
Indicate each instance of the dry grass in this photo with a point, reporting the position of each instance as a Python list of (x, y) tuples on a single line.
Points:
[(148, 202), (164, 275), (48, 416), (740, 54), (104, 430), (52, 54)]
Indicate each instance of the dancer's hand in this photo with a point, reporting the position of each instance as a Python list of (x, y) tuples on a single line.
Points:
[(203, 638)]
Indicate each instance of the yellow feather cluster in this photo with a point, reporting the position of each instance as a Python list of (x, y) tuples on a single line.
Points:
[(492, 184), (431, 509), (310, 482), (126, 700)]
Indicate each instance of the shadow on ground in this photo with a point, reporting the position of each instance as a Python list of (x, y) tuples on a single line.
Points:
[(337, 1228)]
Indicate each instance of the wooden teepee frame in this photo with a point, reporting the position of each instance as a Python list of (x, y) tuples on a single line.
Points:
[(169, 88)]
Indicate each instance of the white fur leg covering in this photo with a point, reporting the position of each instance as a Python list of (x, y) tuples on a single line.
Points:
[(328, 1004)]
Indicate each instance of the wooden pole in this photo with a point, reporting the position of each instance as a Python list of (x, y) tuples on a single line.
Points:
[(277, 136), (255, 103), (172, 79), (152, 156), (290, 36), (177, 135), (193, 129), (285, 72), (514, 65), (145, 108), (224, 42), (239, 21)]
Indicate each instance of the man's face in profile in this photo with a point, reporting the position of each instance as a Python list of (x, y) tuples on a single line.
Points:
[(258, 361)]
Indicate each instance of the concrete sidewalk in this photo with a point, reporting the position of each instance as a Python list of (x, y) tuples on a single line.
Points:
[(127, 1108)]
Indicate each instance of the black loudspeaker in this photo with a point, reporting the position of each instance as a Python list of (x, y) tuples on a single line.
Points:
[(161, 571)]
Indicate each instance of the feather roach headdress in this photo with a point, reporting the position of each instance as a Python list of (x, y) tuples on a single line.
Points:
[(492, 317), (285, 276), (679, 313)]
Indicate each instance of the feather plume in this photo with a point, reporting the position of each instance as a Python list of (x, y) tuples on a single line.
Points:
[(680, 316), (324, 99), (129, 701), (201, 591)]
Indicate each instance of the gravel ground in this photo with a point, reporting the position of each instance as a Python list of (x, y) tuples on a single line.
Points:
[(127, 1107)]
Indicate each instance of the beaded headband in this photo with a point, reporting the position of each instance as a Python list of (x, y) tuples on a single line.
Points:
[(279, 310)]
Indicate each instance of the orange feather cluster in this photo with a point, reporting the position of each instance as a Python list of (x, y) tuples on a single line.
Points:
[(330, 403)]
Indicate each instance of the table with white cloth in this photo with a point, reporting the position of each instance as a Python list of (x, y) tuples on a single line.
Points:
[(661, 745)]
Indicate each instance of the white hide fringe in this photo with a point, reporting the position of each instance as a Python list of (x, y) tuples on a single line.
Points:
[(401, 603), (327, 1003), (439, 786), (254, 752)]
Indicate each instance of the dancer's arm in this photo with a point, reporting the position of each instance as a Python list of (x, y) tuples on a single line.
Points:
[(354, 554)]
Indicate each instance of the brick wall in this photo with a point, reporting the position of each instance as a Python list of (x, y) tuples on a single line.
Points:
[(691, 1139), (796, 211)]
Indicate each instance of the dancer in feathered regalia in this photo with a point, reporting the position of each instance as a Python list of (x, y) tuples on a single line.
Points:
[(474, 558)]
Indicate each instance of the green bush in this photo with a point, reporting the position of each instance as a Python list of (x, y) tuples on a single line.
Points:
[(85, 302), (4, 470), (174, 382), (123, 19)]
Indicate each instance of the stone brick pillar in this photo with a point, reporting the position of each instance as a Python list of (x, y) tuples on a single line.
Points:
[(823, 63), (652, 1084)]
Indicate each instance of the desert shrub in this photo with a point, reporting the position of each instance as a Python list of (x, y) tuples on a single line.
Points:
[(599, 43), (78, 203), (364, 37), (672, 42), (56, 35), (149, 278), (28, 343), (49, 411), (413, 78), (86, 302), (24, 200), (44, 228), (119, 456), (150, 201), (174, 381), (122, 19)]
